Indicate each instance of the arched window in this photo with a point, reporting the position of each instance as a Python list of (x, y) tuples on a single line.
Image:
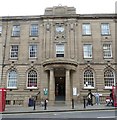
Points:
[(32, 79), (109, 78), (12, 79), (88, 79)]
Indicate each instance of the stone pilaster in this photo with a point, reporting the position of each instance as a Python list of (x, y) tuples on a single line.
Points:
[(52, 87), (68, 87)]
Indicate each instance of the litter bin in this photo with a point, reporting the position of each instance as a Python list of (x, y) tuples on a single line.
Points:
[(31, 102)]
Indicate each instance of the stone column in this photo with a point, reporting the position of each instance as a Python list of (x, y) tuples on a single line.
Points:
[(51, 87), (68, 87)]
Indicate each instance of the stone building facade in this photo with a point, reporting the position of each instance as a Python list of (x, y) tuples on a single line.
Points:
[(59, 55)]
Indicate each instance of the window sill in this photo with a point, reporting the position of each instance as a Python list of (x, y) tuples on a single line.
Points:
[(87, 35), (33, 36), (33, 88), (89, 88), (16, 36), (13, 59), (105, 34), (107, 88)]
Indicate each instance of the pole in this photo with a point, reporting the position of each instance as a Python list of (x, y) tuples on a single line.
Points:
[(4, 50), (84, 102), (34, 100), (72, 103), (45, 105)]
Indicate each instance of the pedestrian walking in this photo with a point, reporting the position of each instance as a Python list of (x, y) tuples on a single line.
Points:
[(45, 104), (111, 102), (90, 98), (97, 98)]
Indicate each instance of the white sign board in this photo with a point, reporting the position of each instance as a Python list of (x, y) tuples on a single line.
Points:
[(74, 91)]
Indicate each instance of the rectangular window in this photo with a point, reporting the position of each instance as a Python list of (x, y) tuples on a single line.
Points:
[(32, 51), (107, 51), (60, 50), (86, 29), (105, 30), (0, 30), (34, 30), (14, 52), (87, 49), (16, 31)]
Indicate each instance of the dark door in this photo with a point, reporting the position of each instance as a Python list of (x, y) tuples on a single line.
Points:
[(59, 88)]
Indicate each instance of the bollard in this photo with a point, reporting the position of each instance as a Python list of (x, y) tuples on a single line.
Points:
[(72, 103), (45, 105), (34, 104), (84, 103)]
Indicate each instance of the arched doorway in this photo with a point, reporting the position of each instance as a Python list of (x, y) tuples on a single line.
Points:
[(59, 84)]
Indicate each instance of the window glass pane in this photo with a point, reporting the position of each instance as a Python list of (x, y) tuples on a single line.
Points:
[(32, 79), (16, 30), (33, 51), (86, 29), (60, 50), (88, 79), (87, 50), (14, 51), (105, 30), (107, 51), (109, 79), (12, 79), (34, 30)]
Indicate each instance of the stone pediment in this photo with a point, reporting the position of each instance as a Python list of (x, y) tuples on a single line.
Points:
[(60, 10)]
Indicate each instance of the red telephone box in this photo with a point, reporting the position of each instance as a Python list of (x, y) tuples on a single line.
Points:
[(114, 91), (2, 99)]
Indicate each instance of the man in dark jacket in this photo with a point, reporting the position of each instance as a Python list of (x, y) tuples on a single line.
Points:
[(90, 98)]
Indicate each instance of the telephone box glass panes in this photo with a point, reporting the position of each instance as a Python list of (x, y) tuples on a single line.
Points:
[(60, 50)]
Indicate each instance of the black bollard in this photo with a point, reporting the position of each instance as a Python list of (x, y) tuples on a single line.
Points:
[(34, 104), (72, 103), (84, 103), (45, 105)]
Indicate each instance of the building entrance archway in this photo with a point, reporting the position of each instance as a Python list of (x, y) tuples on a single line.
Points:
[(59, 85), (60, 88)]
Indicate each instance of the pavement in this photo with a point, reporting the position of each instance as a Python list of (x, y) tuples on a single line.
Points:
[(56, 108)]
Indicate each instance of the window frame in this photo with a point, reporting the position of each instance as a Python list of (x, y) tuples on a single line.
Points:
[(16, 31), (87, 85), (35, 51), (32, 86), (108, 77), (107, 52), (34, 30), (12, 52), (16, 79), (105, 29), (86, 54), (86, 29), (60, 52)]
